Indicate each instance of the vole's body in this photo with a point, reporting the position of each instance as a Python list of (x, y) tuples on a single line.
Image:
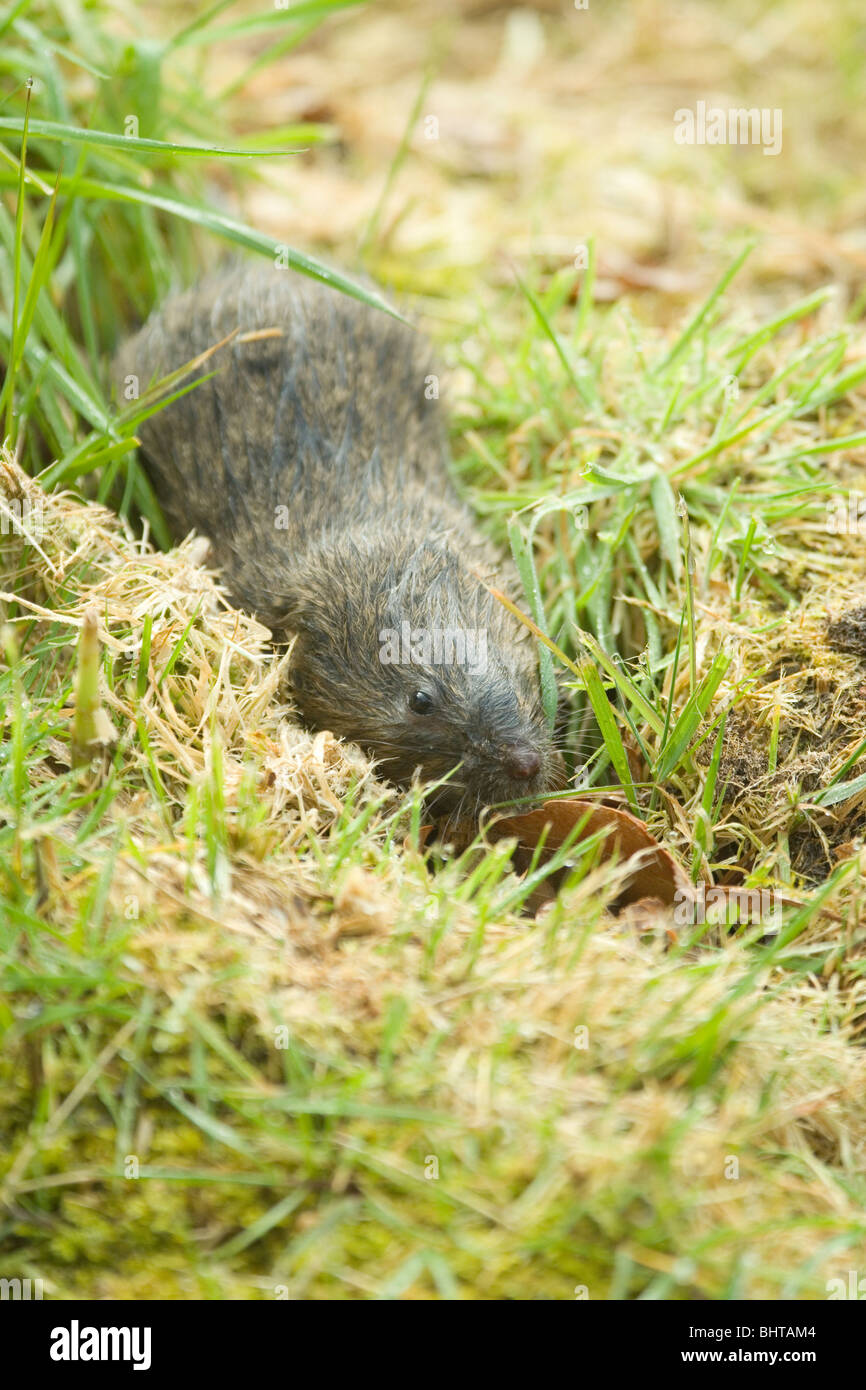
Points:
[(314, 460)]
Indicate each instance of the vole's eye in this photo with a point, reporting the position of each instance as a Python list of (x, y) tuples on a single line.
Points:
[(420, 702)]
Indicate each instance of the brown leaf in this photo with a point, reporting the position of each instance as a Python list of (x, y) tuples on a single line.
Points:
[(655, 875), (425, 833)]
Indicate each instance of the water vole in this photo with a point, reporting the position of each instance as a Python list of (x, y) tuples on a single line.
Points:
[(315, 461)]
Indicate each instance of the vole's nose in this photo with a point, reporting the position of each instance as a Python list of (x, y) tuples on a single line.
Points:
[(521, 760)]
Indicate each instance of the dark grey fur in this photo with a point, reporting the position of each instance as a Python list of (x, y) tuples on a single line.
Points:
[(330, 420)]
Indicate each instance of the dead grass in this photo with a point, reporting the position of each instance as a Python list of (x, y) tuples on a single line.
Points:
[(712, 1109)]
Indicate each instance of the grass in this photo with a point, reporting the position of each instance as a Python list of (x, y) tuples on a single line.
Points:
[(256, 1042)]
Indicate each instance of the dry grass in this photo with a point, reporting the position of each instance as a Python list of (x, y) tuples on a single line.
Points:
[(713, 1109)]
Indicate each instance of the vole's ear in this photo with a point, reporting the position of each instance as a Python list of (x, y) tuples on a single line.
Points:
[(293, 619), (295, 676), (297, 670)]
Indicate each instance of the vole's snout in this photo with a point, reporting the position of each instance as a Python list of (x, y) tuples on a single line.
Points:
[(507, 766), (521, 760)]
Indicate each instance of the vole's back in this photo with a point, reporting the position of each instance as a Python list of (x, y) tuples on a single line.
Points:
[(318, 416), (314, 460)]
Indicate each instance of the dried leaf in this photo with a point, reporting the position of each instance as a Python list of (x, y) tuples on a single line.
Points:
[(656, 873)]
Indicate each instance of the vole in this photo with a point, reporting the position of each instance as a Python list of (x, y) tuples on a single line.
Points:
[(314, 458)]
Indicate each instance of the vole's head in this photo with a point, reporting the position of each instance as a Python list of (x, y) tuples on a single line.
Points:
[(414, 660)]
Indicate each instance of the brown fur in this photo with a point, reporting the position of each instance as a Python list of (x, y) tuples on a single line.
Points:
[(330, 421)]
